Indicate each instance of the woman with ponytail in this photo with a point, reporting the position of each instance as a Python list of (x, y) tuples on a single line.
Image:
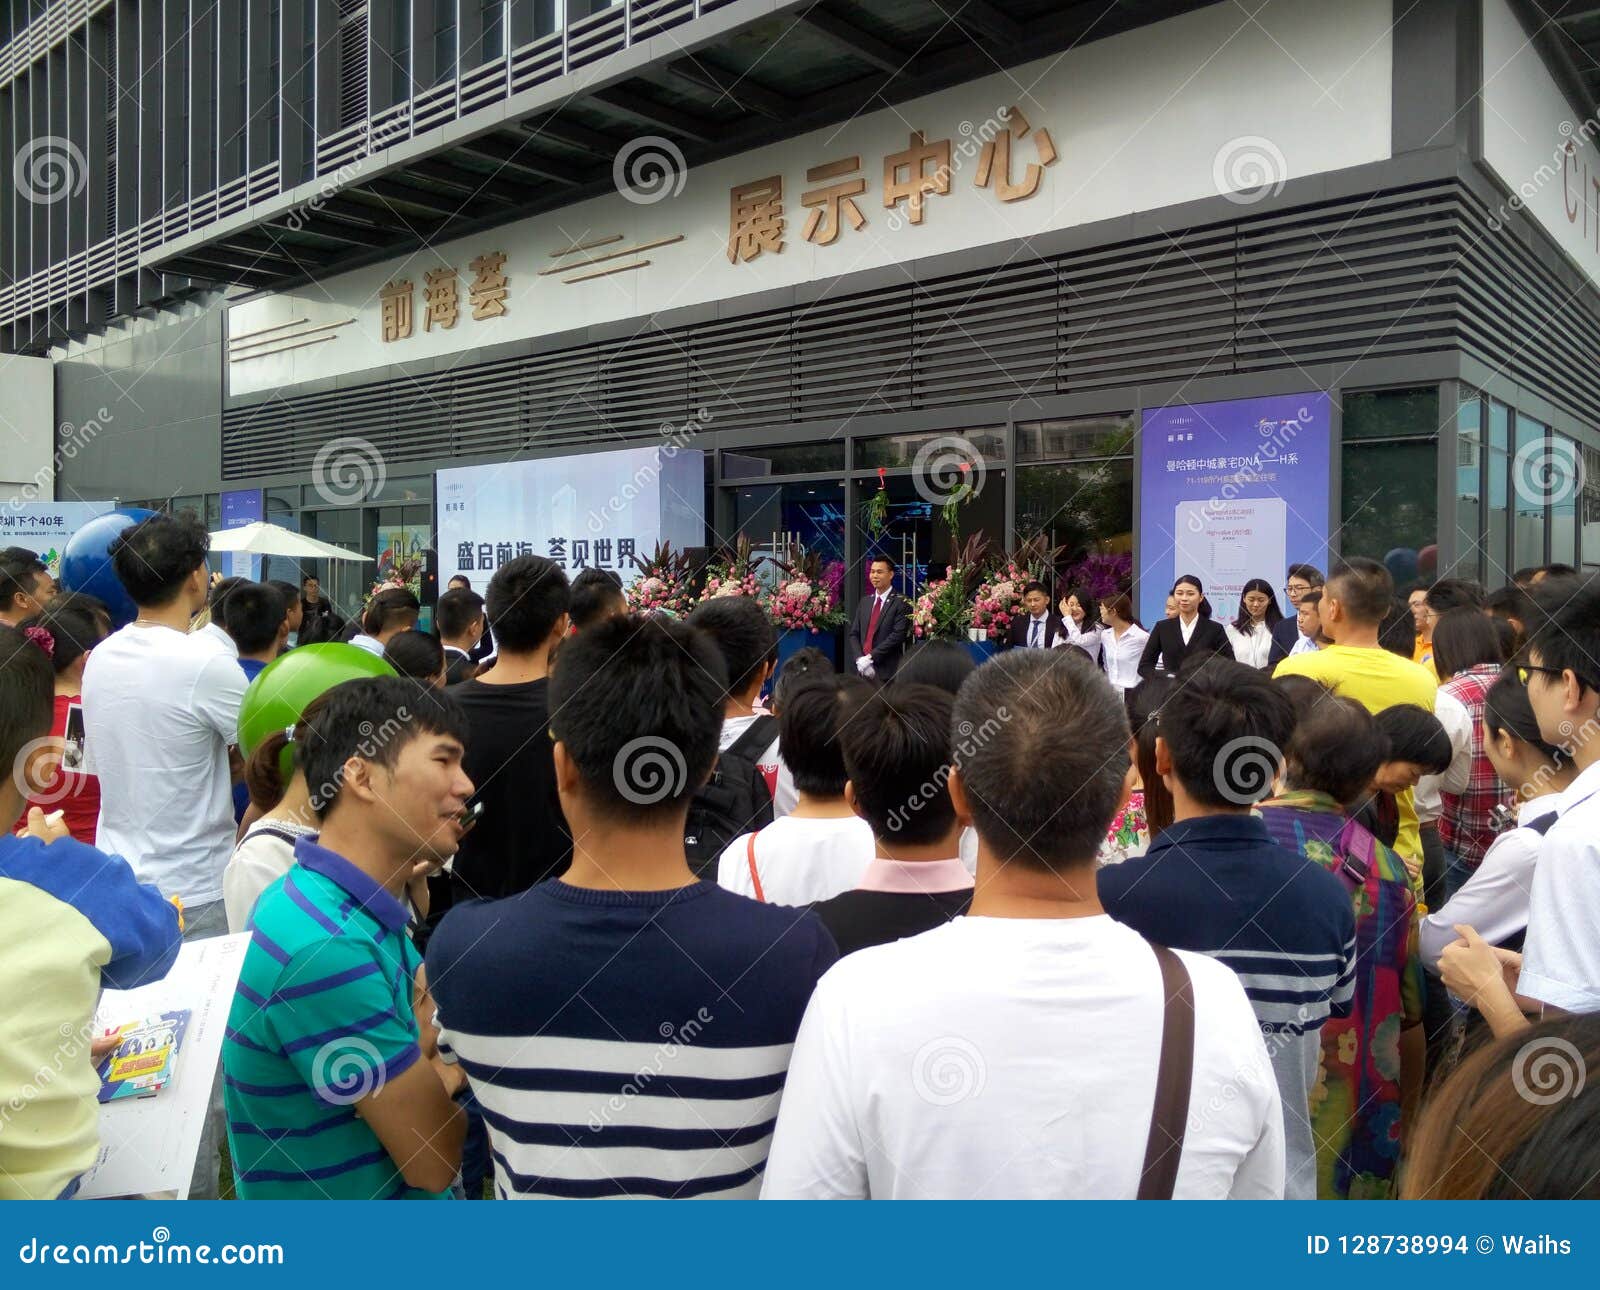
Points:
[(280, 815), (65, 636)]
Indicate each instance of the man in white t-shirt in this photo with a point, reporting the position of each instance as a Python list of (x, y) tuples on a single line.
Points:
[(1013, 1052), (1561, 955), (160, 708), (822, 846)]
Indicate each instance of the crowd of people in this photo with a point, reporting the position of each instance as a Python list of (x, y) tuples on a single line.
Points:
[(573, 902)]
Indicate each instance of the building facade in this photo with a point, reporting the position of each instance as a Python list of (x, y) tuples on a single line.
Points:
[(380, 241)]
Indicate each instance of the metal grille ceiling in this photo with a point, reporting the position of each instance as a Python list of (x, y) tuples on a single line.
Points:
[(1404, 272)]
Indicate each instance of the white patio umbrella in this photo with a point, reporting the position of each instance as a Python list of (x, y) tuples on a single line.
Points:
[(260, 538)]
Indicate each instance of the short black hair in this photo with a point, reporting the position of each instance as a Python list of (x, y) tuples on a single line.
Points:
[(27, 694), (374, 719), (1397, 633), (456, 611), (1559, 571), (527, 597), (897, 754), (389, 608), (19, 572), (1454, 593), (808, 732), (596, 594), (1335, 749), (219, 591), (310, 577), (1565, 631), (84, 603), (1312, 598), (155, 557), (946, 664), (636, 703), (74, 631), (1508, 602), (1306, 573), (1465, 637), (415, 654), (880, 558), (743, 633), (461, 578), (1034, 585), (804, 666), (1226, 726), (252, 615), (1506, 707), (1041, 740), (1365, 589), (1524, 575), (1413, 734), (287, 590)]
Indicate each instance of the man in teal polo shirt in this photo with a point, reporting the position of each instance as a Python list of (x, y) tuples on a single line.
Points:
[(332, 1080)]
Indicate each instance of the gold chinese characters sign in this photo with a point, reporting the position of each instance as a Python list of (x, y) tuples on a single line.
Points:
[(441, 297), (923, 170)]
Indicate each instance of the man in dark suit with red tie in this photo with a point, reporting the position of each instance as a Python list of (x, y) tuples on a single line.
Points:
[(883, 622)]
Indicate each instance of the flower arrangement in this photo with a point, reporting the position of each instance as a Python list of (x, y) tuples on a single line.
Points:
[(404, 574), (1100, 576), (998, 600), (663, 584), (806, 597), (733, 575), (944, 608)]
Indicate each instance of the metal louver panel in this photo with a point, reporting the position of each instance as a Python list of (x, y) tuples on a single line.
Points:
[(1388, 274), (352, 62)]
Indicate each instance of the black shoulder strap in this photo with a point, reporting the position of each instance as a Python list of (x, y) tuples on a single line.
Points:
[(1174, 1073), (753, 742)]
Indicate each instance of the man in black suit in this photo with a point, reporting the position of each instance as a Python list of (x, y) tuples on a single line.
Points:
[(459, 618), (1302, 578), (1038, 628), (882, 624)]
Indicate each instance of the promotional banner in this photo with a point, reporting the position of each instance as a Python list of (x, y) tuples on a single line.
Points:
[(240, 507), (44, 527), (599, 509), (1232, 491)]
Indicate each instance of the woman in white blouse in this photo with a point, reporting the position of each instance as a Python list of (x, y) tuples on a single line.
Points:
[(1250, 633), (1081, 628), (1121, 641)]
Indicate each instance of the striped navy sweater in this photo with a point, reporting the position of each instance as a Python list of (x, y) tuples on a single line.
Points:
[(625, 1043)]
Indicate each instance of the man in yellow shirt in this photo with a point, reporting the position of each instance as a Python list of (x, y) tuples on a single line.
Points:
[(1354, 603)]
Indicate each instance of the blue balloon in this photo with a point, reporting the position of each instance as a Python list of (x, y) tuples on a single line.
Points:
[(86, 567)]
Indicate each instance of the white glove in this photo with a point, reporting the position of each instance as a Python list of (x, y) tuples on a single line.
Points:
[(864, 665)]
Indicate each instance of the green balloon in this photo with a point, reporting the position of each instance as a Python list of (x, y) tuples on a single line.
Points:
[(281, 693)]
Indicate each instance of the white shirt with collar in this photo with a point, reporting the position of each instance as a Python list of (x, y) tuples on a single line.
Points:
[(1253, 646), (1071, 634), (371, 644), (1120, 654), (1495, 899), (1187, 628), (1561, 956), (1303, 645), (1037, 630), (1457, 723)]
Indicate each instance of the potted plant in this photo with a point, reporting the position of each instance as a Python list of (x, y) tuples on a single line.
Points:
[(734, 574)]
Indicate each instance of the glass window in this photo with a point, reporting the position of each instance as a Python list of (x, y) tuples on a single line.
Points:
[(1589, 506), (989, 442), (1084, 508), (1469, 485), (777, 516), (412, 488), (1390, 501), (1497, 554), (1530, 493), (1565, 476), (1391, 414), (1081, 437), (784, 459)]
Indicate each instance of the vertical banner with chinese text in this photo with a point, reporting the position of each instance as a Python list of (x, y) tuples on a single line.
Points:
[(1232, 491)]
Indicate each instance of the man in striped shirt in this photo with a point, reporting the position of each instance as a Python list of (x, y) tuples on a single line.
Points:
[(626, 1029), (332, 1082), (1216, 882)]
